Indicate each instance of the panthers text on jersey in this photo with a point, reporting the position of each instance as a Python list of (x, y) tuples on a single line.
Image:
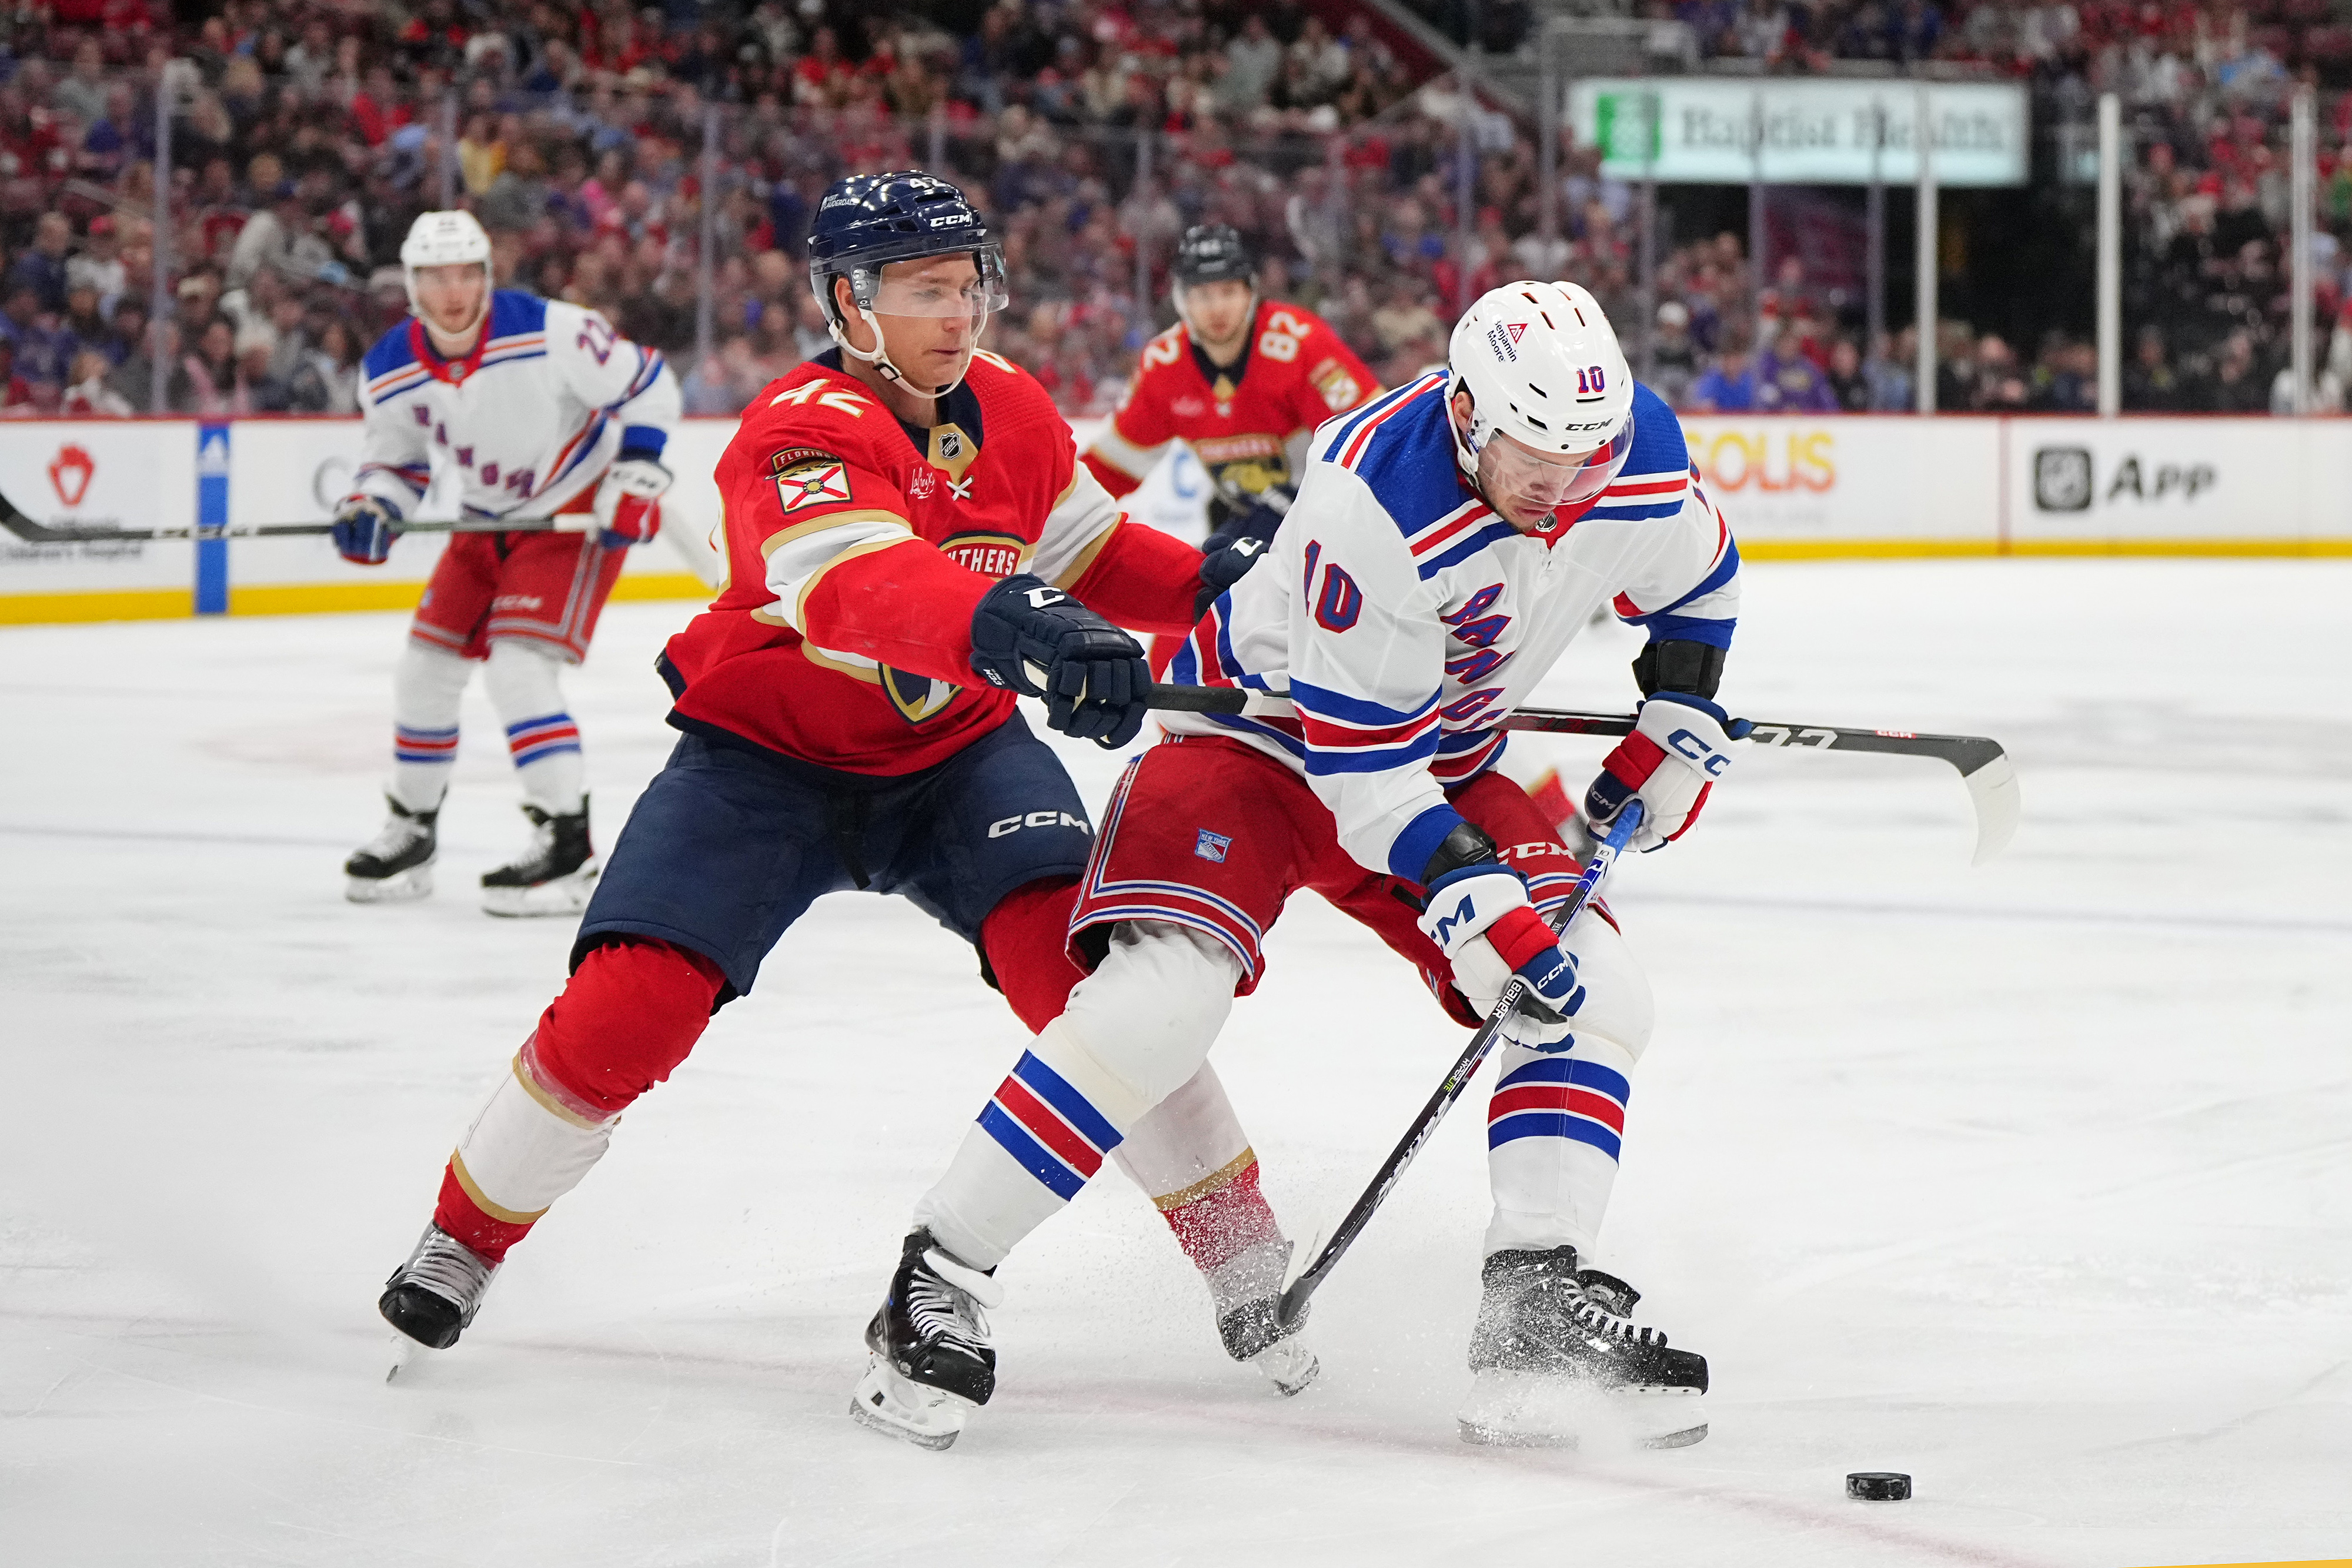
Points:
[(857, 549), (1405, 618), (529, 419), (1247, 423)]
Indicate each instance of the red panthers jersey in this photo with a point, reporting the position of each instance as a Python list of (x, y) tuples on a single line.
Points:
[(1243, 421), (857, 549)]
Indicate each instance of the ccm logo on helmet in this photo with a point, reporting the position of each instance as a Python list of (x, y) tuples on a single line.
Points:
[(1014, 824)]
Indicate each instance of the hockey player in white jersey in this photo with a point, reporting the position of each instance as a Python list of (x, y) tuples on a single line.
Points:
[(546, 415), (1449, 540)]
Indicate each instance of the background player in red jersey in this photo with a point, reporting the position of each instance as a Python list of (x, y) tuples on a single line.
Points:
[(1243, 380), (910, 541)]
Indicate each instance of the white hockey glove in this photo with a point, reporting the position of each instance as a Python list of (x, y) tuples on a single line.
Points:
[(628, 502), (1479, 915), (1680, 745)]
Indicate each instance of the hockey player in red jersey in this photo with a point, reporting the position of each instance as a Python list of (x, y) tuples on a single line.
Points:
[(1243, 380), (911, 542)]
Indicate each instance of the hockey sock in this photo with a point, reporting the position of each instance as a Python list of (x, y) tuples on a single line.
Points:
[(1026, 938), (1554, 1130), (541, 736), (1191, 1156), (426, 689), (1135, 1030), (628, 1018)]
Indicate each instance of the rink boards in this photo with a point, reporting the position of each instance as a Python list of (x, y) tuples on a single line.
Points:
[(1848, 486)]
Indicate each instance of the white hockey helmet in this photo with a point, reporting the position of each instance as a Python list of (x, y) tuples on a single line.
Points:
[(1542, 365), (445, 239)]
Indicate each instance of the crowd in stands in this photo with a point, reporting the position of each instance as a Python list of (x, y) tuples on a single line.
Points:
[(306, 134)]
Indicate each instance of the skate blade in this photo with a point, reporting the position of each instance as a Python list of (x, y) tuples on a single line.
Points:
[(564, 895), (1531, 1410), (406, 1354), (400, 887), (908, 1411), (1290, 1364)]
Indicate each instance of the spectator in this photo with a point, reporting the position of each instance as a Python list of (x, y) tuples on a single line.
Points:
[(99, 264), (91, 393), (16, 391), (1728, 386), (1848, 386), (42, 267), (1673, 357), (1788, 382), (2150, 385)]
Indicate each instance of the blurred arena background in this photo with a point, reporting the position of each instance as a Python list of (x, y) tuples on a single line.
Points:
[(201, 207)]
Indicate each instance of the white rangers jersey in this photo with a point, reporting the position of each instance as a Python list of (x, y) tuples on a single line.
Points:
[(1405, 618), (530, 419)]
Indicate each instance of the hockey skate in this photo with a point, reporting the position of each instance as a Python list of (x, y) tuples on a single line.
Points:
[(554, 877), (932, 1359), (1247, 1292), (433, 1297), (398, 863), (1556, 1360)]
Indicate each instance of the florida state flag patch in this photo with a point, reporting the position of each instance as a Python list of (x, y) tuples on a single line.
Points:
[(805, 479)]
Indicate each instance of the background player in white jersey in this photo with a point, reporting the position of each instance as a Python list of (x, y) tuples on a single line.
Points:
[(545, 413), (1449, 540)]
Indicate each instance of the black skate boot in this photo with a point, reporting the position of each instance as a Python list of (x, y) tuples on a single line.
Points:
[(1555, 1357), (932, 1361), (398, 863), (433, 1297), (555, 877), (1246, 1289)]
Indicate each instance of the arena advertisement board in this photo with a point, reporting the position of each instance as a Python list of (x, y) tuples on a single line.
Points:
[(91, 473), (2144, 484), (1832, 481), (1799, 130), (1792, 486)]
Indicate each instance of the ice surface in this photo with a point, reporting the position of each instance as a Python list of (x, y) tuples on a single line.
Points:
[(2033, 1180)]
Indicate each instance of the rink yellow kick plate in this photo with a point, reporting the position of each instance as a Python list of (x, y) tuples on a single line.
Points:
[(279, 598)]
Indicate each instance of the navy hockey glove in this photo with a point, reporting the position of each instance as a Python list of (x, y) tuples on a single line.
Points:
[(1257, 520), (1680, 745), (1221, 568), (364, 530), (1036, 639)]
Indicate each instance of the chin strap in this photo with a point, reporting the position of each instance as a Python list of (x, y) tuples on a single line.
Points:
[(880, 356)]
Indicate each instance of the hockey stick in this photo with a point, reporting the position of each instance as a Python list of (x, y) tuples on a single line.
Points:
[(26, 528), (1465, 1067), (1981, 763)]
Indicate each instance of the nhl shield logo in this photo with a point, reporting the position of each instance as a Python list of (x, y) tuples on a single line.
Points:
[(70, 471)]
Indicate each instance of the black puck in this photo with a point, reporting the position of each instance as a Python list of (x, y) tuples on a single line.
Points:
[(1878, 1486)]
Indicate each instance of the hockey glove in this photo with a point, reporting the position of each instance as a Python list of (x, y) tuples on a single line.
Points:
[(628, 501), (1478, 914), (1257, 520), (364, 530), (1680, 745), (1029, 638), (1224, 566)]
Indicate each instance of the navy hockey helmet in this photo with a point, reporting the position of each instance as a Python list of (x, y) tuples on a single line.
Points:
[(1212, 253), (865, 222)]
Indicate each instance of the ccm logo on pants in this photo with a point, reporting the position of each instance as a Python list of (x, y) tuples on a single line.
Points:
[(997, 829)]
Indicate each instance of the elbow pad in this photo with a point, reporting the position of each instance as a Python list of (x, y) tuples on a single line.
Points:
[(1675, 666), (1464, 846)]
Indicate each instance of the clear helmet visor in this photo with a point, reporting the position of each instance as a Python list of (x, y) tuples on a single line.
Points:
[(1539, 482), (925, 287)]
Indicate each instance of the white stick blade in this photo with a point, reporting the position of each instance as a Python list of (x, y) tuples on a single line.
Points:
[(1992, 788)]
